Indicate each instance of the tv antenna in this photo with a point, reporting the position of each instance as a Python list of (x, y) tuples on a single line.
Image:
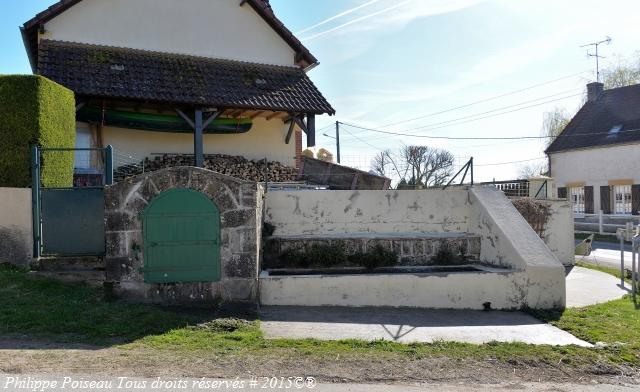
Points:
[(597, 54)]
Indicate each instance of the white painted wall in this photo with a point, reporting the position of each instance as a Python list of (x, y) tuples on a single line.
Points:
[(16, 238), (596, 167), (535, 277), (559, 234), (315, 212), (265, 139), (209, 28)]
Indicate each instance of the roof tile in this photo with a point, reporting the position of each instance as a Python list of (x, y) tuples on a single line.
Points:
[(101, 71)]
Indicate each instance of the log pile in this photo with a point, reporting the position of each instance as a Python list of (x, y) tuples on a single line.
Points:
[(234, 166)]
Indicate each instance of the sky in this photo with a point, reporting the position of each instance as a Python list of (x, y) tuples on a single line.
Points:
[(384, 62)]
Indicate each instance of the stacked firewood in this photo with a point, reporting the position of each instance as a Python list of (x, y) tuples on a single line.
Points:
[(234, 166)]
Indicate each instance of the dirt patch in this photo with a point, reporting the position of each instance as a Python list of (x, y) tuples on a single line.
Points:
[(364, 369)]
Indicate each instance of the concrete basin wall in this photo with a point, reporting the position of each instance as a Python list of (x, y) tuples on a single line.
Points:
[(331, 212), (530, 274)]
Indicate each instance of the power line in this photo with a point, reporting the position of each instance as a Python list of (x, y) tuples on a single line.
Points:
[(512, 162), (445, 124), (485, 100), (481, 138)]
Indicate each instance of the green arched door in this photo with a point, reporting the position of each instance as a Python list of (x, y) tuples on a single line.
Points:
[(181, 238)]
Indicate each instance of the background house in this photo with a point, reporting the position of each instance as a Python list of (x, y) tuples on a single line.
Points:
[(144, 70), (596, 159)]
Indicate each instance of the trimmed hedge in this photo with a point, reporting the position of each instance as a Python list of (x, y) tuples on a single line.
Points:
[(35, 111)]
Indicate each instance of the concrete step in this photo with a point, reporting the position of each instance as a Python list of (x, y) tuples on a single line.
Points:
[(90, 277), (411, 248), (70, 264)]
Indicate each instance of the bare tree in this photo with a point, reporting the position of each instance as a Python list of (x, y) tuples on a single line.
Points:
[(553, 124), (533, 170), (426, 166), (624, 73)]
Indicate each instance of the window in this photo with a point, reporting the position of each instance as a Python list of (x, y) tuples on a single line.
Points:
[(622, 199), (83, 140), (577, 199)]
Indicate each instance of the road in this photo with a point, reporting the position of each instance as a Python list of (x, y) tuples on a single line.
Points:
[(54, 382)]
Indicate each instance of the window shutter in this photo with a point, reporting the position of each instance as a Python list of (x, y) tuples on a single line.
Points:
[(635, 199), (562, 193), (588, 200), (605, 199)]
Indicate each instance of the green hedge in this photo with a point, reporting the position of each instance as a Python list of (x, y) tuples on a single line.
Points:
[(35, 111)]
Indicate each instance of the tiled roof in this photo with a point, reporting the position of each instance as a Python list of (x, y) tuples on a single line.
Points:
[(120, 73), (262, 7), (611, 119)]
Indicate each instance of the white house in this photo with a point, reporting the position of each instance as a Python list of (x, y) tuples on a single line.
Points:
[(192, 76), (595, 161)]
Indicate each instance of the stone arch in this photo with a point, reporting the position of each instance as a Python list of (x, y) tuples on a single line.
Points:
[(240, 212)]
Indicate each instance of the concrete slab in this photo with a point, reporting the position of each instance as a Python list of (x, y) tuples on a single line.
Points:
[(407, 325), (588, 287)]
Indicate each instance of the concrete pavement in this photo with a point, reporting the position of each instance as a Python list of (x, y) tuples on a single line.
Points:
[(588, 287), (584, 287), (408, 325)]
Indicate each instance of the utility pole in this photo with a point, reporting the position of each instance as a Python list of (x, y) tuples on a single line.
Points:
[(337, 137), (338, 140), (597, 55)]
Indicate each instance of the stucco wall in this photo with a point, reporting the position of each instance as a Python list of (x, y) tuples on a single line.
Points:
[(508, 240), (559, 232), (317, 212), (531, 276), (210, 28), (16, 237), (265, 139), (596, 167)]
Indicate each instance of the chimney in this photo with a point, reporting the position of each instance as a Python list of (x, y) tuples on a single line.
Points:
[(594, 90)]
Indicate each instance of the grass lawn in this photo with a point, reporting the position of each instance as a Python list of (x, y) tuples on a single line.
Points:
[(64, 312), (598, 237)]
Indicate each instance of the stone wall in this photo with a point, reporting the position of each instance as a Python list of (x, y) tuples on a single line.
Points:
[(240, 206), (16, 233)]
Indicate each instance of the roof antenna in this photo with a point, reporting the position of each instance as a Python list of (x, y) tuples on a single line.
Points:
[(597, 55)]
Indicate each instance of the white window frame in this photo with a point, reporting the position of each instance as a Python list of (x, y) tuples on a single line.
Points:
[(576, 195), (622, 204)]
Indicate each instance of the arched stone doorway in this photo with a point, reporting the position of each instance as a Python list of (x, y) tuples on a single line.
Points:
[(239, 205)]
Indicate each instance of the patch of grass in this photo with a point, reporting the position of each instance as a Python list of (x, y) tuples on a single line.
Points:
[(598, 237), (77, 313)]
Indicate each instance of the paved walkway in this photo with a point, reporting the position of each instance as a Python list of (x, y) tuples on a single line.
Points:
[(410, 325), (588, 287), (584, 287)]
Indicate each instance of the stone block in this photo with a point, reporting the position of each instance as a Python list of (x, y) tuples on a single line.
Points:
[(238, 218), (220, 195), (248, 240), (238, 290), (243, 265), (116, 244), (121, 221), (148, 190), (248, 195)]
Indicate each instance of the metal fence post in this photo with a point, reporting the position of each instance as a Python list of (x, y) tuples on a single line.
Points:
[(600, 222), (35, 199), (471, 163), (109, 165)]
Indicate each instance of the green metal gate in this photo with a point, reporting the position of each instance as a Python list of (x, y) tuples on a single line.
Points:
[(69, 221), (181, 238)]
